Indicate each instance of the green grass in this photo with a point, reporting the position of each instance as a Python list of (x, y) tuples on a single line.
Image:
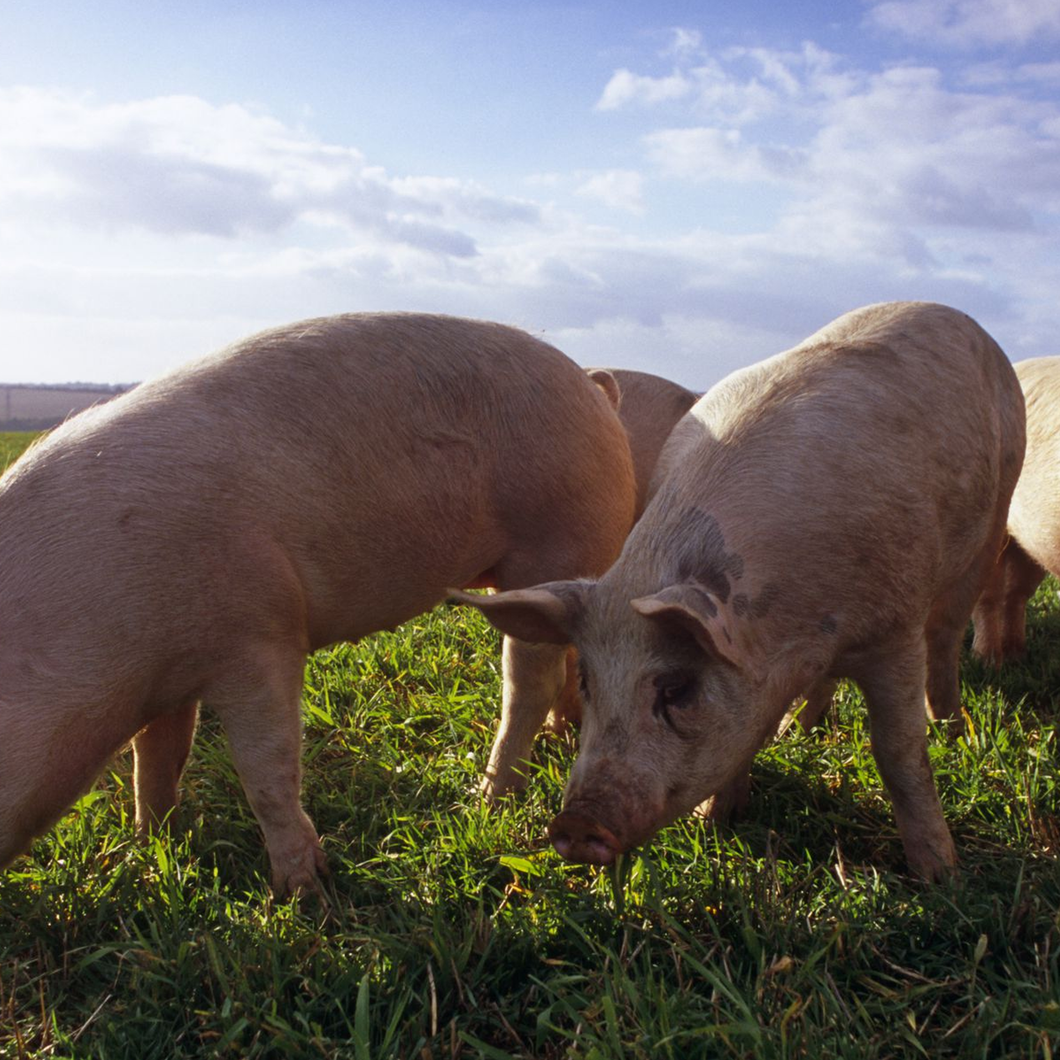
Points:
[(454, 932), (13, 444)]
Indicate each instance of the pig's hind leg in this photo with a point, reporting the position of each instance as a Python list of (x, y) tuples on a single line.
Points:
[(160, 751), (259, 703)]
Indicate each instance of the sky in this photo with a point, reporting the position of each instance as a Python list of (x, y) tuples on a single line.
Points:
[(678, 187)]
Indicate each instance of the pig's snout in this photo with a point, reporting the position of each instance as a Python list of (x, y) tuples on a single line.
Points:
[(579, 838)]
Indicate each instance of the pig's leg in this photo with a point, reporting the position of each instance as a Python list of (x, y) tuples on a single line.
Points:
[(568, 711), (260, 711), (1023, 577), (48, 758), (988, 614), (945, 630), (534, 677), (894, 691), (160, 752), (534, 674), (818, 700), (1001, 613)]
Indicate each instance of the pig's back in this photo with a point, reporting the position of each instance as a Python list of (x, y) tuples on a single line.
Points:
[(381, 456), (877, 449)]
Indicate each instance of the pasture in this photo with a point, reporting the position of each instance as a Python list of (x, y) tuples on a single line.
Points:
[(455, 932)]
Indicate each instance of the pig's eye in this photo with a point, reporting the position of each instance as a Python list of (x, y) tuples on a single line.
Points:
[(671, 693), (583, 685)]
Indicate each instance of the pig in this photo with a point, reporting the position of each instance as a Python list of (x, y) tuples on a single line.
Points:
[(193, 540), (1033, 546), (829, 512), (649, 406)]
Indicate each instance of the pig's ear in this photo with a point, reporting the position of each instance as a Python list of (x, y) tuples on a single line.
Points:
[(690, 607), (545, 614), (608, 384)]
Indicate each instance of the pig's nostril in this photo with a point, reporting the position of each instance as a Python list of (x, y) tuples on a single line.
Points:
[(580, 838), (598, 850), (563, 844)]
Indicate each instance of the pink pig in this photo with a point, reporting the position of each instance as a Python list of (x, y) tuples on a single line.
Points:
[(830, 512), (192, 541)]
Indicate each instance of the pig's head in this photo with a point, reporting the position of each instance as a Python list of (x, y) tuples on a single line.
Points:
[(673, 686)]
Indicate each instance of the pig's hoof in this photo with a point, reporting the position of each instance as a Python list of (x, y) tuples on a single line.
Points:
[(951, 725), (302, 875), (495, 792), (556, 725), (934, 865), (580, 838)]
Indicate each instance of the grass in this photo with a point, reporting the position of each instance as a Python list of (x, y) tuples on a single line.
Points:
[(454, 932), (13, 444)]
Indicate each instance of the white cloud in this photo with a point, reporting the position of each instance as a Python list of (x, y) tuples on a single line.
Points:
[(899, 149), (895, 183), (964, 23), (621, 189), (683, 42), (719, 154), (738, 86), (179, 165), (169, 226), (625, 88)]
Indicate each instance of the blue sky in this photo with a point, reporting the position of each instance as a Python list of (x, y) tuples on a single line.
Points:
[(678, 187)]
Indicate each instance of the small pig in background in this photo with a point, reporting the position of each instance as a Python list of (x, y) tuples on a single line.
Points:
[(649, 407), (191, 541), (1033, 546), (830, 512)]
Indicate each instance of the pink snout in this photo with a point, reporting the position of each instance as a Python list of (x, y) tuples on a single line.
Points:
[(579, 838)]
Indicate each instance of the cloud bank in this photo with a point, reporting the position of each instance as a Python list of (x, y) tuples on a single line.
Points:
[(753, 194)]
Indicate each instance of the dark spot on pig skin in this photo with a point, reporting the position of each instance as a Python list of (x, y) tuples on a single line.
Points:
[(758, 607), (695, 541), (828, 624)]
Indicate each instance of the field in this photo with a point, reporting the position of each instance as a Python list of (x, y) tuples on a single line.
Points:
[(455, 932), (25, 407)]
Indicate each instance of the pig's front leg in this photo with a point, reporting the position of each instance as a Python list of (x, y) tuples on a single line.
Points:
[(261, 715), (894, 691), (534, 676), (160, 751)]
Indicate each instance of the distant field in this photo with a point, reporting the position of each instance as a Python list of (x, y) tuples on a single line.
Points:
[(40, 407)]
